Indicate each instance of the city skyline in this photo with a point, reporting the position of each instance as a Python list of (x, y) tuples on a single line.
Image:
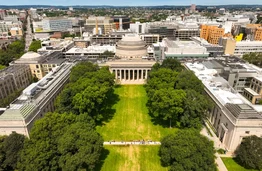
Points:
[(129, 2)]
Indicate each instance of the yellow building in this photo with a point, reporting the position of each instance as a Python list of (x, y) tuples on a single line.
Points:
[(211, 33), (239, 37), (40, 65), (258, 34)]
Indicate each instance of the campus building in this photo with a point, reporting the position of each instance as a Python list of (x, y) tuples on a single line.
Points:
[(233, 117), (14, 78), (35, 101), (105, 24), (40, 64), (211, 33), (56, 24)]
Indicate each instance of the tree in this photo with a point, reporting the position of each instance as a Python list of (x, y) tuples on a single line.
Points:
[(81, 69), (168, 104), (35, 45), (187, 80), (249, 152), (12, 145), (40, 151), (187, 150), (2, 153), (195, 109), (80, 147), (173, 64)]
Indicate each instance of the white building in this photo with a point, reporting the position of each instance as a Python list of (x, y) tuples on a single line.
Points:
[(233, 117), (138, 27), (57, 24), (247, 47)]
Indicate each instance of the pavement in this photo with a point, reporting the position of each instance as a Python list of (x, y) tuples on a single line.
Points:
[(217, 145), (132, 143)]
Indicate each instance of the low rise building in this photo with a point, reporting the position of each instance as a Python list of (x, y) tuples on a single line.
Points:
[(35, 101), (56, 24)]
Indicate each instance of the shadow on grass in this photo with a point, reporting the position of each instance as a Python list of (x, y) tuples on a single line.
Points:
[(240, 164), (102, 158), (108, 112)]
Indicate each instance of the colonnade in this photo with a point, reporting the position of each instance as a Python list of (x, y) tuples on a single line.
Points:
[(131, 74)]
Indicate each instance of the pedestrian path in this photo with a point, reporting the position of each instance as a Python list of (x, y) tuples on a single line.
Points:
[(217, 144), (138, 142)]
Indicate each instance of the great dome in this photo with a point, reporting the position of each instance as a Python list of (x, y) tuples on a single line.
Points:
[(131, 46), (30, 56)]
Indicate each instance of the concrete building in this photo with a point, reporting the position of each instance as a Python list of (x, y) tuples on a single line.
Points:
[(14, 78), (131, 46), (254, 92), (179, 49), (150, 39), (212, 49), (40, 65), (33, 13), (110, 39), (229, 45), (56, 24), (106, 24), (138, 27), (211, 33), (236, 72), (233, 117), (193, 8), (35, 101), (5, 27), (16, 31), (244, 47)]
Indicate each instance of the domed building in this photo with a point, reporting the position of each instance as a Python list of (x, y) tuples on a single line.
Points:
[(131, 46)]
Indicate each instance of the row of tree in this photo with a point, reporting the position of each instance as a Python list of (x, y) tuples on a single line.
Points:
[(35, 45), (176, 95), (66, 139), (14, 51)]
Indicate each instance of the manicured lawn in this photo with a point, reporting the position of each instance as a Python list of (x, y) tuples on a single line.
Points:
[(132, 158), (233, 166), (131, 120)]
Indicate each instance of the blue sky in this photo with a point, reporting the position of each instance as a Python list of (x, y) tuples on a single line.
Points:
[(127, 2)]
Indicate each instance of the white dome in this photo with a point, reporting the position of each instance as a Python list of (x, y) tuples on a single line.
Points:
[(30, 55)]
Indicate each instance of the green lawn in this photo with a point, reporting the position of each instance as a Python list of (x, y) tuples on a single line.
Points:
[(132, 158), (233, 166), (131, 120)]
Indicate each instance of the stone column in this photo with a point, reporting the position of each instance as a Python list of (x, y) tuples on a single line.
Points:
[(120, 74), (146, 75)]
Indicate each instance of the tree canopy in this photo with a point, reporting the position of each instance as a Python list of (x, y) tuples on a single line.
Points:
[(10, 146), (249, 152), (88, 91), (61, 142), (254, 58), (187, 150), (35, 45), (176, 95)]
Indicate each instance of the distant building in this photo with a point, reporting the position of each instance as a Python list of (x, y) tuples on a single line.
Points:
[(229, 45), (122, 22), (56, 24), (16, 31), (35, 101), (221, 11), (105, 23), (211, 33), (193, 7), (33, 13), (14, 78), (138, 27)]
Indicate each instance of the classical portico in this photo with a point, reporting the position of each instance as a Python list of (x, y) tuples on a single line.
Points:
[(130, 72)]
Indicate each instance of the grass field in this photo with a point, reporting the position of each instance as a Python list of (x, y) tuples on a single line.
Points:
[(132, 158), (131, 120), (233, 166)]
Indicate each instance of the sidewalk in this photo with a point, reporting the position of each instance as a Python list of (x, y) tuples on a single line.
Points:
[(217, 145)]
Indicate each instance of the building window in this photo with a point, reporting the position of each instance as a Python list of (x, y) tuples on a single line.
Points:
[(247, 132)]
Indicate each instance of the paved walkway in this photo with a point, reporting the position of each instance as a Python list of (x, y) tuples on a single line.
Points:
[(132, 143), (217, 144)]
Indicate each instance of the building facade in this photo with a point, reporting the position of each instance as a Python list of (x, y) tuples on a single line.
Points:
[(211, 33), (35, 101), (56, 24), (14, 78)]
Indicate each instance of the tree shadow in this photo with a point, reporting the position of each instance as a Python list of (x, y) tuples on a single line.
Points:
[(103, 156), (239, 163), (108, 112)]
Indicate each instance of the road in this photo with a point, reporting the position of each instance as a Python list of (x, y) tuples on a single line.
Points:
[(29, 35)]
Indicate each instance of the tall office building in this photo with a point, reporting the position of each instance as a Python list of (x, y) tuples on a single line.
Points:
[(193, 7), (122, 22), (57, 24), (211, 33)]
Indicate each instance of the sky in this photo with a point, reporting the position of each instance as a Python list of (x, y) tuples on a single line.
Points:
[(128, 2)]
